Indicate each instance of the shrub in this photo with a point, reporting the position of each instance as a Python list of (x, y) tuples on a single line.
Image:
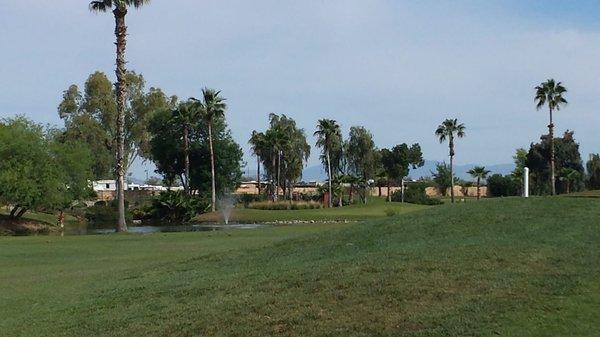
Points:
[(390, 212), (503, 186), (415, 194), (105, 213), (247, 198), (176, 207), (283, 205)]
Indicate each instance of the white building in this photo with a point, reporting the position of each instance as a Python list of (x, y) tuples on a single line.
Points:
[(111, 185)]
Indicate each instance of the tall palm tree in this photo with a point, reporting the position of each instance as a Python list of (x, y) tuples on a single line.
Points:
[(119, 8), (551, 93), (479, 173), (213, 107), (186, 115), (449, 130), (328, 134), (257, 141)]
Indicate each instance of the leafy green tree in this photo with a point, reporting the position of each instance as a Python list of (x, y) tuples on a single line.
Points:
[(593, 171), (39, 173), (329, 138), (397, 162), (551, 93), (91, 117), (479, 173), (361, 156), (168, 153), (443, 177), (119, 8), (566, 156), (449, 130), (212, 106)]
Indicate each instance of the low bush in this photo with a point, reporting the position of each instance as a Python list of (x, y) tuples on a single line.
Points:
[(105, 214), (415, 194), (390, 212), (176, 207), (503, 186), (283, 205)]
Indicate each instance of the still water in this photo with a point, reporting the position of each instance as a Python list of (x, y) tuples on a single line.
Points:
[(162, 229)]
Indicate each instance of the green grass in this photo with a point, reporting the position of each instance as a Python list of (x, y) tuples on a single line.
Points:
[(375, 208), (508, 267), (585, 194)]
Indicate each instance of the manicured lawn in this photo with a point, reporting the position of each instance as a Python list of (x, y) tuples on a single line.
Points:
[(588, 194), (375, 208), (507, 267)]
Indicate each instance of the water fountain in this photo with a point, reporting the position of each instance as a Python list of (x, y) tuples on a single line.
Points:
[(226, 206)]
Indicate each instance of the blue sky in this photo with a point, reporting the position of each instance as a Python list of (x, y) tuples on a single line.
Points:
[(398, 68)]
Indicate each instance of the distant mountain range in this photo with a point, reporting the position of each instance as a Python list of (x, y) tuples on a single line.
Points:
[(316, 172)]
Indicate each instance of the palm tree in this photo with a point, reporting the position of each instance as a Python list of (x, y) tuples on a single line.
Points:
[(119, 8), (257, 141), (328, 134), (569, 175), (186, 114), (449, 130), (213, 108), (478, 172), (551, 93)]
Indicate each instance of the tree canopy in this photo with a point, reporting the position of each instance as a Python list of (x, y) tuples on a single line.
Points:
[(37, 172)]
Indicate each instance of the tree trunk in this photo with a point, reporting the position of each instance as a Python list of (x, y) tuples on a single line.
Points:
[(212, 169), (552, 174), (121, 34), (351, 194), (389, 188), (258, 173), (451, 170), (278, 174), (14, 211), (273, 178), (186, 151), (21, 212), (478, 193), (61, 219), (330, 201)]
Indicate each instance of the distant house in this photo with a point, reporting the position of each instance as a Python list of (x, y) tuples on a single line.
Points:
[(106, 189)]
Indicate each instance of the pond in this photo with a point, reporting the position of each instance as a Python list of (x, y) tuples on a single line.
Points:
[(162, 229)]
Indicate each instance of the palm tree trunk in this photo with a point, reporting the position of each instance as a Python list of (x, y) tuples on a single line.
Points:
[(258, 173), (121, 35), (478, 182), (212, 169), (278, 174), (451, 171), (186, 150), (330, 201), (552, 174), (273, 180)]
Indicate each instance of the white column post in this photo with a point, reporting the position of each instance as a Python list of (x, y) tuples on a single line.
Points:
[(526, 182), (402, 188)]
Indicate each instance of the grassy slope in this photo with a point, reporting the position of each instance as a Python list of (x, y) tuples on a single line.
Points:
[(376, 208), (507, 267)]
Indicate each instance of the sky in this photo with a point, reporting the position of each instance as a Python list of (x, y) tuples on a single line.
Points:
[(398, 68)]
